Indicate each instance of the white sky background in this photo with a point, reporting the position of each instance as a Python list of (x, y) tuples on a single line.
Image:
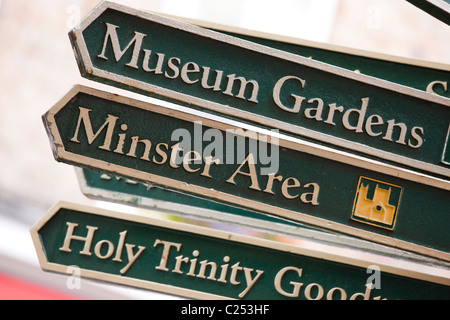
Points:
[(302, 19), (388, 26)]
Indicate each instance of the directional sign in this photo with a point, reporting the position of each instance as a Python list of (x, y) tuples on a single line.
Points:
[(225, 75), (256, 170), (183, 259), (440, 9)]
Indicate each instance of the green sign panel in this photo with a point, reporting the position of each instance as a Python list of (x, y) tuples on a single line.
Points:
[(257, 84), (183, 259), (276, 175), (440, 9)]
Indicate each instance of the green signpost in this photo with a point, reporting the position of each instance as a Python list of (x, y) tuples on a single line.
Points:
[(183, 259), (203, 69), (303, 182)]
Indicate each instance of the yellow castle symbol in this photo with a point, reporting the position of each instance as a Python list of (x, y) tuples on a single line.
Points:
[(378, 209)]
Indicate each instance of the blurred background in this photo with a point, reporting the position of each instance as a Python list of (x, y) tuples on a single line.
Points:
[(37, 67)]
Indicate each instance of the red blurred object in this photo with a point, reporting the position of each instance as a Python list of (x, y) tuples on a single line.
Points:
[(12, 288)]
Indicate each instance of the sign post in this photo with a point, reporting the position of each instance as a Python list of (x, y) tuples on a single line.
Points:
[(261, 85), (259, 171), (183, 259)]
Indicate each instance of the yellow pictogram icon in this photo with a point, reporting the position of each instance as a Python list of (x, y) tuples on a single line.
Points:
[(376, 203)]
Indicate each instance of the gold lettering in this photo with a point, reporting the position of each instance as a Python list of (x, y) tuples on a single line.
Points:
[(331, 293), (174, 67), (318, 109), (179, 260), (224, 268), (186, 70), (430, 87), (122, 136), (287, 185), (161, 153), (314, 195), (365, 295), (173, 156), (159, 63), (390, 130), (84, 118), (361, 115), (132, 152), (165, 254), (252, 173), (98, 248), (415, 135), (244, 82), (70, 236), (193, 265), (270, 178), (373, 120), (111, 33), (319, 291), (298, 99), (202, 271), (277, 282), (217, 83), (188, 159), (208, 162), (333, 108)]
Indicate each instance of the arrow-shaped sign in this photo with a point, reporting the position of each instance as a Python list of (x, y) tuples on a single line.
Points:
[(211, 71), (260, 171), (183, 259)]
